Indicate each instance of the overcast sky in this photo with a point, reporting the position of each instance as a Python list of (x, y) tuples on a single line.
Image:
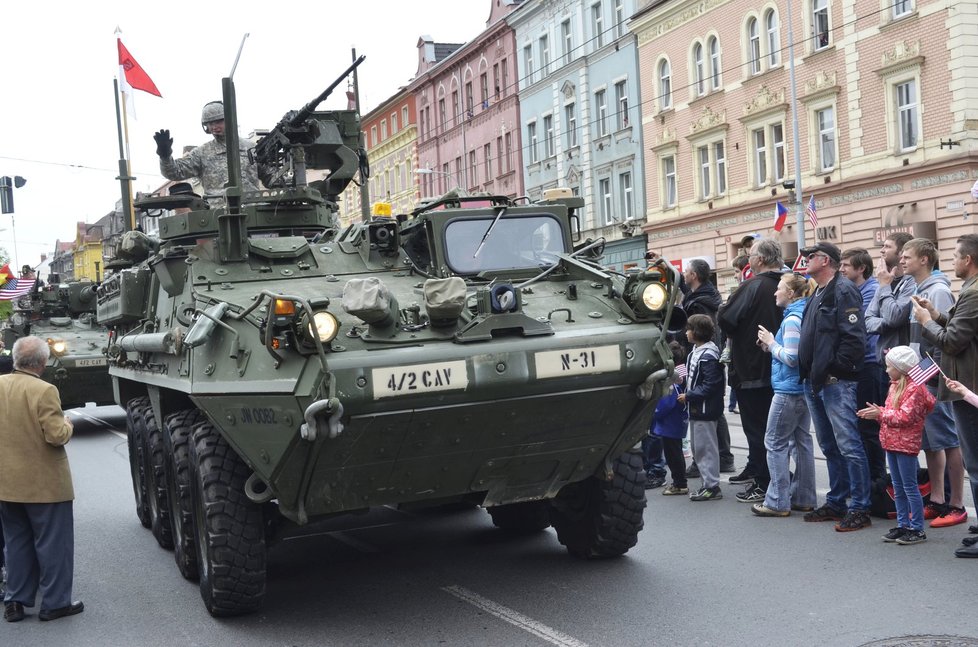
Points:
[(57, 111)]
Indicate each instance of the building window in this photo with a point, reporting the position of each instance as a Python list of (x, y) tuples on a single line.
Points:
[(773, 38), (487, 161), (373, 136), (567, 36), (825, 121), (668, 182), (597, 25), (528, 64), (505, 69), (456, 108), (509, 152), (444, 179), (619, 18), (760, 157), (820, 24), (754, 46), (473, 170), (604, 195), (703, 152), (531, 137), (459, 177), (621, 100), (714, 46), (383, 130), (404, 117), (495, 79), (698, 71), (712, 163), (777, 151), (901, 8), (548, 134), (665, 85), (570, 124), (393, 123), (906, 102), (544, 55), (484, 90), (625, 195), (443, 118), (720, 162), (601, 110), (499, 156)]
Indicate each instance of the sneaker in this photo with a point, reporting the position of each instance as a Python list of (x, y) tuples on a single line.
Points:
[(894, 534), (727, 468), (969, 541), (951, 517), (824, 513), (733, 410), (912, 537), (802, 508), (762, 510), (652, 482), (752, 494), (934, 510), (692, 472), (854, 520), (743, 478), (671, 490), (707, 494)]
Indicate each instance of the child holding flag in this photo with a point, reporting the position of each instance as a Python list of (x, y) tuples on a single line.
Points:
[(901, 429), (669, 424)]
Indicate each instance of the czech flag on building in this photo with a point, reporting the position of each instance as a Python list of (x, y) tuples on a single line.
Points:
[(780, 216)]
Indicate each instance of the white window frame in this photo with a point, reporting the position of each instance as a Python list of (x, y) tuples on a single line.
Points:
[(601, 111), (710, 163), (719, 151), (531, 138), (393, 123), (780, 165), (597, 24), (670, 195), (824, 134), (383, 130), (549, 146), (821, 25), (544, 45), (528, 64), (664, 78), (570, 124), (567, 36), (900, 8), (699, 70), (625, 195), (772, 29), (713, 48), (754, 45), (619, 18), (907, 113), (621, 103), (606, 201), (704, 171), (758, 137)]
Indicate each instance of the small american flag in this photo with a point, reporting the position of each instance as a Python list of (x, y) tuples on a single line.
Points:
[(14, 288), (922, 372), (812, 212), (681, 370)]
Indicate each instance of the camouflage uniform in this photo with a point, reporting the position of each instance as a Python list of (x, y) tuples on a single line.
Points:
[(208, 162)]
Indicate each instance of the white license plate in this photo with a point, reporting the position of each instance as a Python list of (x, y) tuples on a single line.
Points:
[(420, 378), (577, 361), (100, 361)]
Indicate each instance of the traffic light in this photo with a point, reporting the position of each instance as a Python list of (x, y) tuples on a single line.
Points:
[(7, 187)]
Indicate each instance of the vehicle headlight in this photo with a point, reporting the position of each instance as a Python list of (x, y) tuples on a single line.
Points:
[(58, 346), (654, 296), (325, 326)]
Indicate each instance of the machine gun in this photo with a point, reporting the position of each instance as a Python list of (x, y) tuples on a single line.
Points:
[(307, 139)]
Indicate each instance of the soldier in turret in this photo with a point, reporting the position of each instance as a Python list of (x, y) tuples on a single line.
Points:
[(207, 162)]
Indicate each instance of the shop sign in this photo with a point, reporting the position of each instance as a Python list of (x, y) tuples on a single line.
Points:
[(916, 229)]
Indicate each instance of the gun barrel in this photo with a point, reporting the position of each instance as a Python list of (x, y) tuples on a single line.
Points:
[(308, 109)]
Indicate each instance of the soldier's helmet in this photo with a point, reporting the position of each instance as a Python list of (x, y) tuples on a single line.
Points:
[(212, 111)]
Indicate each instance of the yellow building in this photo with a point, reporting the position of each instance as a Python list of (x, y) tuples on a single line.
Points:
[(88, 253)]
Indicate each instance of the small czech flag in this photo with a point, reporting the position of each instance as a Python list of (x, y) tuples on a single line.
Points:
[(780, 216)]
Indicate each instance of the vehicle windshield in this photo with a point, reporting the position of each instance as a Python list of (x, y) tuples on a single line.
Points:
[(515, 242)]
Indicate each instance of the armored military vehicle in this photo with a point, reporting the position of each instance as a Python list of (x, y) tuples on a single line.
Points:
[(277, 368), (64, 314)]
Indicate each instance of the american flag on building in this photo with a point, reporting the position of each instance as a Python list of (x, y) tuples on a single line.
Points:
[(812, 212), (14, 288), (922, 372)]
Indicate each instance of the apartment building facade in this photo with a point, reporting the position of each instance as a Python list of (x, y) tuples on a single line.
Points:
[(886, 109)]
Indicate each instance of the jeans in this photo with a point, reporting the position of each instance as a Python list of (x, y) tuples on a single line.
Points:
[(789, 425), (906, 493), (754, 407), (833, 411), (872, 387), (655, 465), (966, 420)]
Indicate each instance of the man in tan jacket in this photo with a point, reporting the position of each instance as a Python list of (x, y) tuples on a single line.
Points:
[(36, 493)]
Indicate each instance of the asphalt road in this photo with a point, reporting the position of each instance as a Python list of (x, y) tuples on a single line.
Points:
[(702, 574)]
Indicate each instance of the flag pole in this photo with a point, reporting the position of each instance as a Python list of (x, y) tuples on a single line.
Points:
[(125, 180)]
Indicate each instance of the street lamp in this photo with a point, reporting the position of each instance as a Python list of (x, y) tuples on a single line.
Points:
[(429, 171)]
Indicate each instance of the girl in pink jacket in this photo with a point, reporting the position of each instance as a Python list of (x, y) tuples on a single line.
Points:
[(901, 422)]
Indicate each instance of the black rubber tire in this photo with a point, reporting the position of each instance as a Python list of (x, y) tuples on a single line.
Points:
[(137, 461), (596, 518), (526, 517), (155, 470), (176, 439), (229, 529)]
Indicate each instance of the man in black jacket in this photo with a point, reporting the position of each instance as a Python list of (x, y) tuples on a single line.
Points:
[(830, 357), (704, 299), (753, 305)]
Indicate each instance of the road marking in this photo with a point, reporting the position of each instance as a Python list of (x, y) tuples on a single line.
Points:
[(516, 618), (119, 434), (89, 418)]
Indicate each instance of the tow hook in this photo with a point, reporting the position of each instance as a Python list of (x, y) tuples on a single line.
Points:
[(310, 429), (645, 390)]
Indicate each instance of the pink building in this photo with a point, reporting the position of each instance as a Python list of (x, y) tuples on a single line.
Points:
[(468, 111)]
